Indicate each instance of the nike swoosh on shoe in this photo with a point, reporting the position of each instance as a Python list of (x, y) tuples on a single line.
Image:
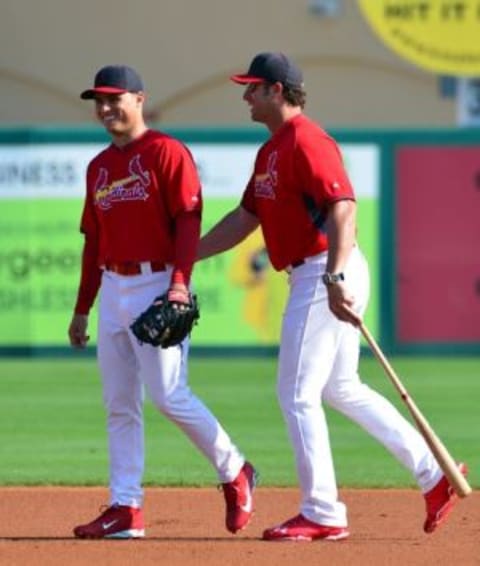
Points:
[(248, 505), (106, 526)]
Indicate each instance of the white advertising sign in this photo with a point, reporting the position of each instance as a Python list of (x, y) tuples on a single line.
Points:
[(58, 170)]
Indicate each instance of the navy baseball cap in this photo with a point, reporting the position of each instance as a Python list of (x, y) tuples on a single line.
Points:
[(114, 79), (272, 68)]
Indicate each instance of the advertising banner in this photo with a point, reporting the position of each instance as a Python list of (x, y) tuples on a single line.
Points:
[(440, 36), (241, 296)]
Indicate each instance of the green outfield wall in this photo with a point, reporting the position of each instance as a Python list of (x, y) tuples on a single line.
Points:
[(410, 242)]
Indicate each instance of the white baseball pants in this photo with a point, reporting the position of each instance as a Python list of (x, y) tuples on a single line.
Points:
[(127, 367), (318, 362)]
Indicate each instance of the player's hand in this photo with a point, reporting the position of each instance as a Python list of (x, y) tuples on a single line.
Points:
[(77, 331), (341, 302), (179, 293)]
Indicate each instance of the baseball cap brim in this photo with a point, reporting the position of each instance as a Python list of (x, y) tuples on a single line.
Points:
[(91, 92), (246, 79)]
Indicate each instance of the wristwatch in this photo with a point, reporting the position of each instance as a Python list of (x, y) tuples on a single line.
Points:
[(332, 278)]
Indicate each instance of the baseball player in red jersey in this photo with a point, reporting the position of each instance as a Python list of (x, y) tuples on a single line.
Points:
[(141, 222), (300, 195)]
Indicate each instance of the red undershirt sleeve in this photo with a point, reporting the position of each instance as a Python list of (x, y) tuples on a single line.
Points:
[(187, 235), (90, 277)]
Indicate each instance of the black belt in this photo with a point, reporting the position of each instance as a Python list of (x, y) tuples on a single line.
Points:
[(298, 263)]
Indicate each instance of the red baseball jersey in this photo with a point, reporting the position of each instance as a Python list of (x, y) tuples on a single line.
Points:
[(133, 194), (298, 173)]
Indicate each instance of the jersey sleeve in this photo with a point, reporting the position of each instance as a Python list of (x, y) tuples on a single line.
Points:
[(321, 171), (88, 222), (90, 271), (179, 179), (187, 234), (248, 198), (90, 278)]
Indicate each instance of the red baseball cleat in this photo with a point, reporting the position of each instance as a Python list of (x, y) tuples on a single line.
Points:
[(117, 521), (239, 498), (299, 528), (439, 501)]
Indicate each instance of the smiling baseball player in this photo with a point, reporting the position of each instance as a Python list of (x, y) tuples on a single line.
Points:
[(301, 196), (141, 222)]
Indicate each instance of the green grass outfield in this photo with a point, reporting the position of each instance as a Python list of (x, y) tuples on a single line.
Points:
[(52, 422)]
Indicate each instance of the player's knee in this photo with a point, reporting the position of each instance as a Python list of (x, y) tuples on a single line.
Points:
[(342, 398), (119, 417), (163, 403), (286, 401), (170, 404), (117, 403)]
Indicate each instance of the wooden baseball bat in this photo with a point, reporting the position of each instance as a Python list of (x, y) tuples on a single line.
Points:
[(444, 459)]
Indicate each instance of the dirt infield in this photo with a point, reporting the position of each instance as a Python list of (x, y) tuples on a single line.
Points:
[(185, 527)]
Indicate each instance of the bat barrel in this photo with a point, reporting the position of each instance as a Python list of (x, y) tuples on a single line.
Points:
[(442, 456)]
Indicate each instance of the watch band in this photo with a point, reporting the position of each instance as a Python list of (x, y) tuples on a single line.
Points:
[(332, 278)]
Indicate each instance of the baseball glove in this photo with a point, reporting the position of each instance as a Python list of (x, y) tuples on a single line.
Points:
[(166, 322)]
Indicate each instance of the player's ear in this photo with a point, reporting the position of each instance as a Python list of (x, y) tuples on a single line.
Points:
[(140, 98), (276, 88)]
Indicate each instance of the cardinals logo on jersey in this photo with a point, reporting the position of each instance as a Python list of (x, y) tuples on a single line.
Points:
[(133, 187), (265, 182)]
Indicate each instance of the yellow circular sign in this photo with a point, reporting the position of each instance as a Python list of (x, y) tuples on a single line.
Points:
[(442, 36)]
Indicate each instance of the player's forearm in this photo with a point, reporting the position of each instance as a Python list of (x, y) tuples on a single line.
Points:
[(227, 233), (341, 231)]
